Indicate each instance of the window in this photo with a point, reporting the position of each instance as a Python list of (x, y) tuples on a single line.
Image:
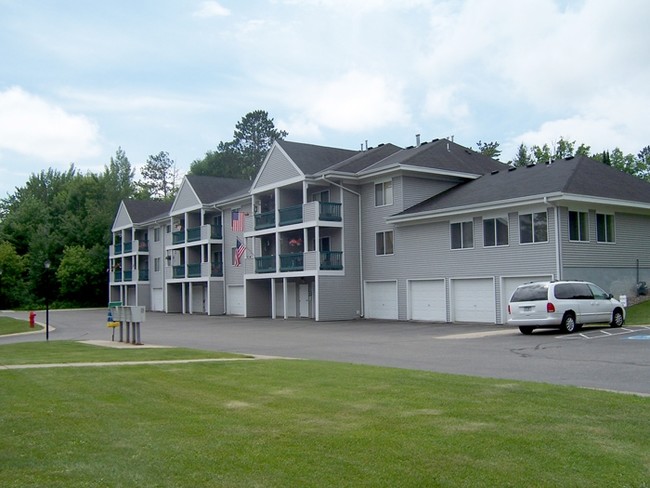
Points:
[(321, 196), (462, 235), (578, 226), (156, 234), (156, 265), (533, 228), (605, 228), (384, 193), (495, 232), (384, 243), (168, 229)]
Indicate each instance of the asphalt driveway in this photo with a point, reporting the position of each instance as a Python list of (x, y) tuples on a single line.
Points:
[(598, 357)]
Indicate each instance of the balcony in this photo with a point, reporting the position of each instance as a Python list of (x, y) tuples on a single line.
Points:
[(143, 275), (330, 211), (194, 270), (292, 262), (216, 270), (216, 231), (265, 264), (117, 276), (143, 246), (178, 271), (193, 234), (265, 220), (178, 237), (128, 247), (291, 215), (128, 275), (118, 248), (331, 260)]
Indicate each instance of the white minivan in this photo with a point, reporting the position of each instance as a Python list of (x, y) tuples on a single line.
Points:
[(565, 305)]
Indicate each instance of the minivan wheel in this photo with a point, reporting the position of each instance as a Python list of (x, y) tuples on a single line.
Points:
[(569, 324), (526, 330), (617, 319)]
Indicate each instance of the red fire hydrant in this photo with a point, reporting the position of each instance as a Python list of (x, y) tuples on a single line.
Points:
[(32, 319)]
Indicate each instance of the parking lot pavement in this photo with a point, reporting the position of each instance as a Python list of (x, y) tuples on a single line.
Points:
[(612, 362)]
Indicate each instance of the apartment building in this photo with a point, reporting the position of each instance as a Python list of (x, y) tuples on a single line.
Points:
[(433, 232)]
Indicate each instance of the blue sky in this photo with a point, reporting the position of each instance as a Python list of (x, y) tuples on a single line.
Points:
[(81, 78)]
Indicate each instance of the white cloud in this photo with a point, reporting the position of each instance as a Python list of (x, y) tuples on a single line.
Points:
[(209, 9), (355, 102), (31, 126)]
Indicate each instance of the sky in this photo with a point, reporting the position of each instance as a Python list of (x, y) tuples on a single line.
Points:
[(81, 78)]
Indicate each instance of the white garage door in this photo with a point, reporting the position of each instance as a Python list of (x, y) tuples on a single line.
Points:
[(236, 300), (508, 287), (473, 300), (157, 300), (381, 300), (427, 300)]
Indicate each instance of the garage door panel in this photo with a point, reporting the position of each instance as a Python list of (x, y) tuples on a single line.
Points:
[(427, 300), (381, 300), (473, 300), (236, 300)]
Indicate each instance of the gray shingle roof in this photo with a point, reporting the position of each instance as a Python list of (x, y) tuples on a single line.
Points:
[(311, 158), (443, 155), (145, 210), (576, 176), (212, 188), (363, 159)]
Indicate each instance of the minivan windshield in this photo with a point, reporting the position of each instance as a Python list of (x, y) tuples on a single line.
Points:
[(530, 293)]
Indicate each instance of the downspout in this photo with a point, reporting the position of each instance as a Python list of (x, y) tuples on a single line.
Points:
[(558, 249), (361, 306)]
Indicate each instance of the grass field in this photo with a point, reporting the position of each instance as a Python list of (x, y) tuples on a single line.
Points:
[(10, 325), (281, 423)]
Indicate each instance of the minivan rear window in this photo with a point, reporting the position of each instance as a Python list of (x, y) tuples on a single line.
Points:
[(530, 293)]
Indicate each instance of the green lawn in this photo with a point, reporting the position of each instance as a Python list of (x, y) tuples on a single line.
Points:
[(10, 325), (282, 423), (638, 314)]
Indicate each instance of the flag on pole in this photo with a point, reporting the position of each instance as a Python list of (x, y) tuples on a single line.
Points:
[(239, 252), (237, 221)]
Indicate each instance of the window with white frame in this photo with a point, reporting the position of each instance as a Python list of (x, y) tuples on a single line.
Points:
[(384, 193), (156, 265), (495, 232), (605, 229), (533, 227), (384, 243), (578, 226), (156, 234), (462, 235)]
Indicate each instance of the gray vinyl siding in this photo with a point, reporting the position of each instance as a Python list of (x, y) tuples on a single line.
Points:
[(612, 266), (340, 296), (424, 252), (416, 190), (122, 218), (215, 296), (185, 199), (339, 299), (277, 169), (234, 275)]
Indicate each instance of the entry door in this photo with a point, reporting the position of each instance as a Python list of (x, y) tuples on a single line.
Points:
[(303, 300)]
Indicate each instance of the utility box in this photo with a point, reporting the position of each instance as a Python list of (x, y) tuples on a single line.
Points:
[(134, 314)]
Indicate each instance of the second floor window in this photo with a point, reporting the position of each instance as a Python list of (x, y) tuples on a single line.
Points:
[(605, 228), (533, 228), (156, 234), (462, 235), (383, 193), (156, 265), (578, 226), (321, 196), (384, 243), (495, 232)]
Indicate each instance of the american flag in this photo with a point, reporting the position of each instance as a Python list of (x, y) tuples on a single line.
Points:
[(237, 221), (239, 252)]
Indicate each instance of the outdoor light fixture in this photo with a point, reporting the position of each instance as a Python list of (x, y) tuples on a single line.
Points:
[(47, 265)]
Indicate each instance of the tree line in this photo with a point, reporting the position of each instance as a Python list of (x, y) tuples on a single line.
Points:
[(65, 217)]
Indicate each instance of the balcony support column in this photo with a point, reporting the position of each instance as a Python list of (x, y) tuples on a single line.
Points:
[(274, 311)]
